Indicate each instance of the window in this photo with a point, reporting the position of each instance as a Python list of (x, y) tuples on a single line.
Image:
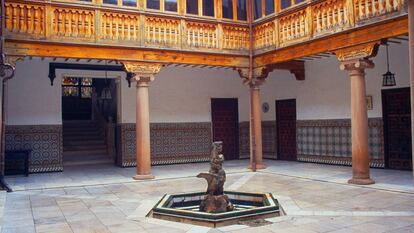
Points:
[(113, 2), (241, 10), (227, 9), (170, 5), (269, 7), (257, 9), (129, 2), (285, 4), (192, 7), (208, 8), (153, 4), (77, 87)]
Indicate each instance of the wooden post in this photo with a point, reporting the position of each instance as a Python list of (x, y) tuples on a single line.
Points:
[(411, 52), (143, 75)]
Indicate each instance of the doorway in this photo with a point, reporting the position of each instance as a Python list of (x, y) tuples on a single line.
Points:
[(225, 119), (286, 129), (89, 112), (396, 111)]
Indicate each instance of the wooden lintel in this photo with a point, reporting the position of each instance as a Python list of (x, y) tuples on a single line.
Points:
[(360, 35), (71, 51), (295, 67)]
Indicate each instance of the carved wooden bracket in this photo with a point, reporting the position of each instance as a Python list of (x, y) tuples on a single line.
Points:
[(358, 51), (295, 67), (259, 75)]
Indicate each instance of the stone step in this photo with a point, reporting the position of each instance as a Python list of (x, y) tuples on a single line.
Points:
[(79, 142), (76, 162), (84, 152), (84, 148), (72, 138)]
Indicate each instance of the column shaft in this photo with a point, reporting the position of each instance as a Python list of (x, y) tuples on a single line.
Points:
[(411, 52), (143, 148), (359, 125), (256, 128)]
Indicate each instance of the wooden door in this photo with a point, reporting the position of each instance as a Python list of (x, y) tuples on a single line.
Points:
[(225, 118), (286, 129), (396, 112)]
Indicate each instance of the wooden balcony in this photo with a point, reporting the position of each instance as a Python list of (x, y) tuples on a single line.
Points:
[(94, 30)]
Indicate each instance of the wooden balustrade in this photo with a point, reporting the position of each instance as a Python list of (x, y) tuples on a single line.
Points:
[(235, 37), (162, 32), (24, 19), (64, 22), (330, 16), (366, 9), (265, 35), (201, 35), (73, 23), (115, 26), (293, 27)]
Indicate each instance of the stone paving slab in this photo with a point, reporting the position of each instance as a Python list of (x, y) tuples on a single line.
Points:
[(312, 203)]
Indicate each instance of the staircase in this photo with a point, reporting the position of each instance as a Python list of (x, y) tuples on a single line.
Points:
[(84, 143)]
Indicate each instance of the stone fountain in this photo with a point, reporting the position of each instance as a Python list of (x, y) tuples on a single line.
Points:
[(215, 207)]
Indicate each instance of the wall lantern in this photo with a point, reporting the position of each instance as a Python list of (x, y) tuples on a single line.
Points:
[(388, 79)]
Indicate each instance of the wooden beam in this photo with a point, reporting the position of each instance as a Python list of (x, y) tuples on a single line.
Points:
[(69, 51), (361, 35)]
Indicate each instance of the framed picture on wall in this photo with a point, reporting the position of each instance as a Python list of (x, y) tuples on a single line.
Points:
[(369, 102)]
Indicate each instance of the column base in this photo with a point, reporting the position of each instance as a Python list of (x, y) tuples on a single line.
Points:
[(259, 166), (143, 177), (359, 181)]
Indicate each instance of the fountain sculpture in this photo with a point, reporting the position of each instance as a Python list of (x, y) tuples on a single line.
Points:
[(215, 200)]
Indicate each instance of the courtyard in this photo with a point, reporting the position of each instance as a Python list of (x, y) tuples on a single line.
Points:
[(104, 198)]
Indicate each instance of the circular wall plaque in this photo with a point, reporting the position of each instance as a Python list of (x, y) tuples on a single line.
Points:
[(265, 107)]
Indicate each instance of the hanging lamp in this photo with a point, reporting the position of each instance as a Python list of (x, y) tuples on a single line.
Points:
[(106, 91), (388, 79)]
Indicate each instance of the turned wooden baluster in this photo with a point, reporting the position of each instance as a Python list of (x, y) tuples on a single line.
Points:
[(30, 20), (14, 19)]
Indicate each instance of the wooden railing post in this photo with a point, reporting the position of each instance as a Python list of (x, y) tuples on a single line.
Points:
[(277, 38), (220, 36), (97, 25), (48, 21), (309, 21), (351, 12)]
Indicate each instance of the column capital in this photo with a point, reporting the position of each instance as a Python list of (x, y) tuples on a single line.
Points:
[(144, 69), (141, 72), (358, 52), (259, 76), (357, 66)]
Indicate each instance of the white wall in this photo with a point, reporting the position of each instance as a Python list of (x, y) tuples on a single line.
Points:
[(183, 94)]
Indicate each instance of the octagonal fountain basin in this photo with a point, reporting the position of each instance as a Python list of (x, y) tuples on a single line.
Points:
[(185, 208)]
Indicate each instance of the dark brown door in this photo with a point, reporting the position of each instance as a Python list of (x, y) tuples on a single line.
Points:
[(225, 117), (286, 129), (397, 128)]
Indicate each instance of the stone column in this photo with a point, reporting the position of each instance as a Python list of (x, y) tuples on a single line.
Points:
[(411, 52), (359, 120), (256, 149), (143, 74)]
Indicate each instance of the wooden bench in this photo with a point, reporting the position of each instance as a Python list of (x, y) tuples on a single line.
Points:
[(12, 160)]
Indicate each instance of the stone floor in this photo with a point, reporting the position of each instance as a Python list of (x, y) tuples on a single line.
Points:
[(103, 198)]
